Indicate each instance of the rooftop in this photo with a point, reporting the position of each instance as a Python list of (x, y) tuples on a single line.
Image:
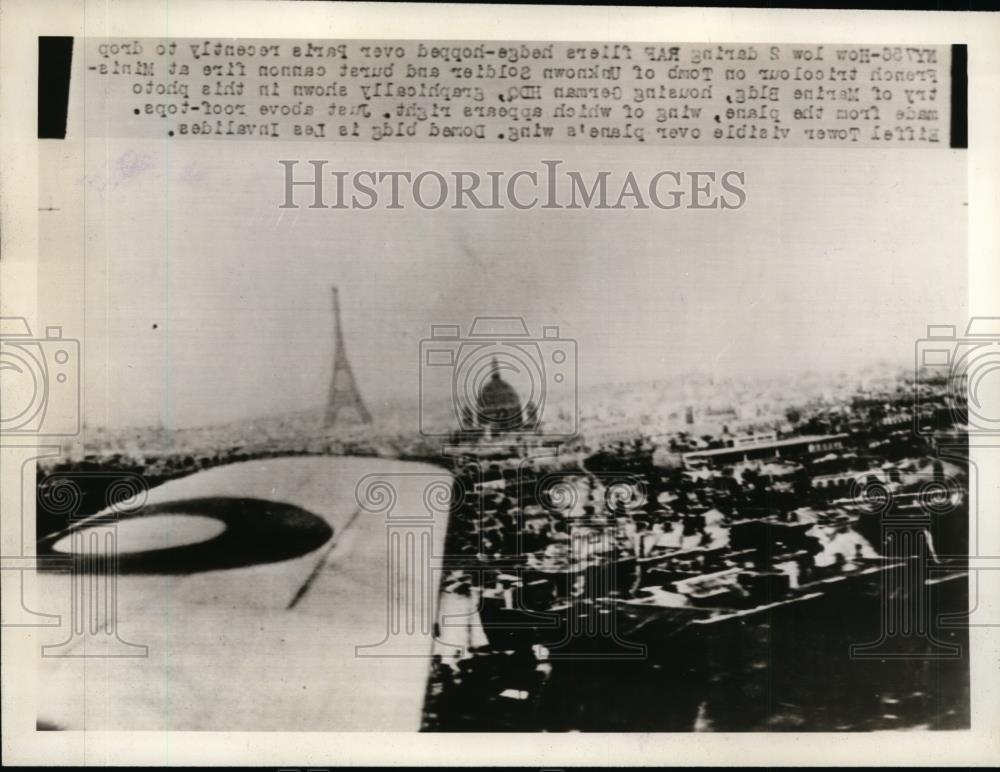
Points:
[(787, 442)]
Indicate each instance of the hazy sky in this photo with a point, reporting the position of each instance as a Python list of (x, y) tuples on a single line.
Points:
[(204, 302)]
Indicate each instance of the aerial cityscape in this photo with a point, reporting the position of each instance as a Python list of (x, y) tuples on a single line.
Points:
[(701, 554)]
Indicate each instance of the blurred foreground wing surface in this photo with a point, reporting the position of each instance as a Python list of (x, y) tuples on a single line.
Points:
[(269, 646)]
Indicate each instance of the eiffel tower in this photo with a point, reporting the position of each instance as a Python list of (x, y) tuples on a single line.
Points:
[(344, 392)]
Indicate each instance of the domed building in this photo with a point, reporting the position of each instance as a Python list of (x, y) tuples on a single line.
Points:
[(499, 407)]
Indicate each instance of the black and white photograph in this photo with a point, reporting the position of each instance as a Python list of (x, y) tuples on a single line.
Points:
[(467, 382)]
